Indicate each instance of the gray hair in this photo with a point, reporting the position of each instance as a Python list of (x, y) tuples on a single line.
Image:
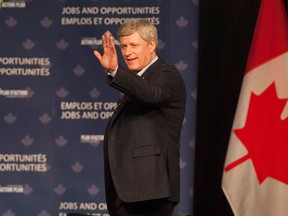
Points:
[(145, 28)]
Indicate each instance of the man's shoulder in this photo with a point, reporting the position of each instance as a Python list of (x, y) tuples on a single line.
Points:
[(161, 64)]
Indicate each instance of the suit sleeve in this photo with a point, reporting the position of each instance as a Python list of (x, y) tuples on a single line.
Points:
[(158, 88)]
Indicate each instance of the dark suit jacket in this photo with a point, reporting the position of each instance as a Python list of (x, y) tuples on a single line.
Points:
[(141, 145)]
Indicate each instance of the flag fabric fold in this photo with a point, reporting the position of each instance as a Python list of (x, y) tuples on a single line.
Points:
[(255, 175)]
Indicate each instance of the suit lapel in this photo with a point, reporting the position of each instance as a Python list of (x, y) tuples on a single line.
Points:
[(152, 68)]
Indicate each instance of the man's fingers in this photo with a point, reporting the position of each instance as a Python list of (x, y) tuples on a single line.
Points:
[(106, 41), (111, 41), (98, 55)]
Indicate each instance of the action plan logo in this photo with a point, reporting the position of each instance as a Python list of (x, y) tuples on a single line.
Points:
[(12, 3)]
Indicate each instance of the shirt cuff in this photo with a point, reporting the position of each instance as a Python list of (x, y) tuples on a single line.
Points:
[(113, 73)]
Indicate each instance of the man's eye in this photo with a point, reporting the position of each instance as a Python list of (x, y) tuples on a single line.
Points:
[(123, 46)]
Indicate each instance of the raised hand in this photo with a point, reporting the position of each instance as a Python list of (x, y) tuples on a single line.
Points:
[(109, 59)]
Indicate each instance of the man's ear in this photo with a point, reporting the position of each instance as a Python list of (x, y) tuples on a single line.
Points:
[(152, 46)]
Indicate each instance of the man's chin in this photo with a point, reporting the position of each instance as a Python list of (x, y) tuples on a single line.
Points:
[(133, 69)]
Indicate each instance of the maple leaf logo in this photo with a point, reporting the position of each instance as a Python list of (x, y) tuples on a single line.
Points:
[(265, 136)]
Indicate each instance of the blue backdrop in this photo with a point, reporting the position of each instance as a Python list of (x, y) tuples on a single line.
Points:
[(55, 102)]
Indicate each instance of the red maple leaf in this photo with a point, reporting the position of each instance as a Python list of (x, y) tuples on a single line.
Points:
[(265, 136)]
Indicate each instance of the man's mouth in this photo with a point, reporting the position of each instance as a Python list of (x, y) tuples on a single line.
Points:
[(130, 60)]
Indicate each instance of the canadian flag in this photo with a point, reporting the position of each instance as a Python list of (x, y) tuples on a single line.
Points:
[(255, 176)]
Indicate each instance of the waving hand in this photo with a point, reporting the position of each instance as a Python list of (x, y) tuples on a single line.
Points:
[(109, 59)]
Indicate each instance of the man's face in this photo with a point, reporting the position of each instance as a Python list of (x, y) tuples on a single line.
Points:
[(137, 53)]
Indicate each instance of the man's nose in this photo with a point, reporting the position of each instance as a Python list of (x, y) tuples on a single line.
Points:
[(128, 51)]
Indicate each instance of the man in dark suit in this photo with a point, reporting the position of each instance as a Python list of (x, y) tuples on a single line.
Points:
[(141, 145)]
